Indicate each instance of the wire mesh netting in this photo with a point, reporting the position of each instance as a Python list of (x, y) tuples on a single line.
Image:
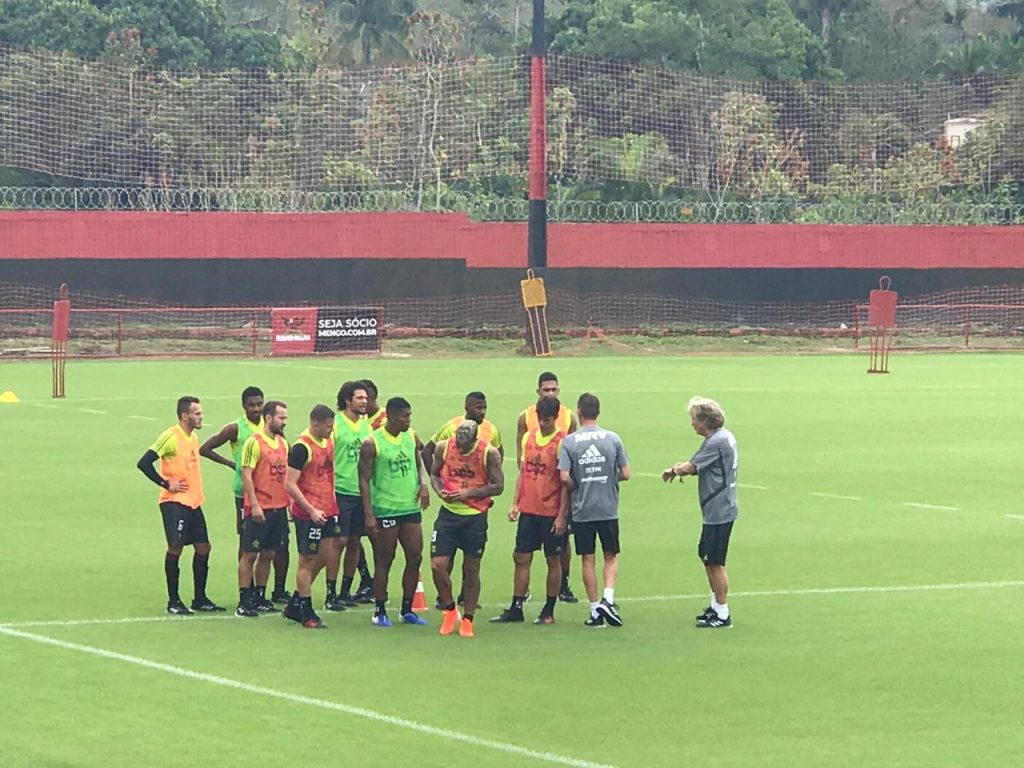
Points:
[(425, 132)]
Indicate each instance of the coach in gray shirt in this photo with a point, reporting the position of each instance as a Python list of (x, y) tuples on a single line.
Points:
[(592, 462), (714, 464)]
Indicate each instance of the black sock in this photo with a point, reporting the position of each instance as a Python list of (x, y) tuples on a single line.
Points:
[(332, 588), (565, 580), (549, 605), (279, 580), (365, 577), (295, 601), (517, 604), (406, 605), (200, 570), (346, 586), (380, 609), (243, 595), (261, 593), (171, 571), (306, 605), (449, 607), (468, 617)]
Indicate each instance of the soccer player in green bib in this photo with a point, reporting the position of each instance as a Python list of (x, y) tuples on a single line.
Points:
[(235, 433), (351, 428), (394, 492)]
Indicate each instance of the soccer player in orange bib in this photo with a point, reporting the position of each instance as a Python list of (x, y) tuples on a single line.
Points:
[(536, 507), (565, 421), (466, 474), (181, 499), (264, 467), (310, 483)]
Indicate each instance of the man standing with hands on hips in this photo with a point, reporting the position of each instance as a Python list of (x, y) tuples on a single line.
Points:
[(714, 464)]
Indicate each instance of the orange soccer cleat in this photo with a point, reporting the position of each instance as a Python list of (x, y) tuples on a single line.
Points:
[(466, 628), (451, 618)]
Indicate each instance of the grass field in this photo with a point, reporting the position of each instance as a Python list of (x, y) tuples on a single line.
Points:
[(876, 572)]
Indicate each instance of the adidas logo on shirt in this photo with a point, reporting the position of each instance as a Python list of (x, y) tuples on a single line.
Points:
[(592, 456)]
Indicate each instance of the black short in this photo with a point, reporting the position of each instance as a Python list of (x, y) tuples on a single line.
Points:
[(271, 534), (239, 515), (308, 535), (452, 532), (714, 543), (534, 532), (586, 534), (183, 525), (350, 513), (390, 521)]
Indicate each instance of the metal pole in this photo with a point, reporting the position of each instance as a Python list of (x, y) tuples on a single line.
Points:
[(537, 255)]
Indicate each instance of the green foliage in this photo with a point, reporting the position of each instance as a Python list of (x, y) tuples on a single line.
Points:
[(56, 25), (747, 38)]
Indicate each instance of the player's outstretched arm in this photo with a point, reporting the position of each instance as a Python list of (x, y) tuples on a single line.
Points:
[(367, 457), (520, 434), (421, 471), (427, 455), (227, 434)]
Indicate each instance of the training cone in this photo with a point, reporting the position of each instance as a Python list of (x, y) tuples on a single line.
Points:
[(8, 397), (419, 600)]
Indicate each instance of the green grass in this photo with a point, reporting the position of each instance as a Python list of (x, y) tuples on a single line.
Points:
[(808, 676)]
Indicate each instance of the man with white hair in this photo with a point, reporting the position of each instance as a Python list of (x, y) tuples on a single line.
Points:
[(714, 464), (466, 473)]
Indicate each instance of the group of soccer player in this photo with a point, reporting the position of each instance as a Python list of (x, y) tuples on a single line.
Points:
[(362, 472)]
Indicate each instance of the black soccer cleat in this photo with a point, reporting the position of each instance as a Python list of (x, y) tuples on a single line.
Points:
[(335, 604), (246, 611), (293, 612), (717, 622), (177, 608), (206, 605), (347, 600), (610, 612), (702, 620), (264, 606), (280, 596), (596, 622), (364, 595), (509, 616), (566, 595), (313, 622), (545, 618)]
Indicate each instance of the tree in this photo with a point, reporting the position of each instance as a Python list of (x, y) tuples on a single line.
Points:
[(373, 28), (56, 25), (745, 38)]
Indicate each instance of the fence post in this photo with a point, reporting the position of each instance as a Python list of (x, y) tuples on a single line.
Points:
[(120, 334), (254, 333), (967, 327)]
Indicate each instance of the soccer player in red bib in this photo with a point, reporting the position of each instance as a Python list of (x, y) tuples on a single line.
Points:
[(310, 483), (264, 467), (565, 421), (466, 474), (536, 507)]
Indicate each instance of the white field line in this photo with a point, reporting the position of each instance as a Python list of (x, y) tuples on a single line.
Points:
[(1016, 517), (92, 410), (821, 495), (754, 487), (143, 418), (837, 591), (967, 585), (919, 505), (368, 714)]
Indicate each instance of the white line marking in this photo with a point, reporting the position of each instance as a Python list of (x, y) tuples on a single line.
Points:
[(91, 410), (369, 714), (126, 620), (642, 599), (836, 591), (834, 496), (1017, 517), (918, 505), (39, 405), (755, 487), (144, 418)]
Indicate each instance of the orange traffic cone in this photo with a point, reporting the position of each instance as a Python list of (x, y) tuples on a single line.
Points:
[(419, 600)]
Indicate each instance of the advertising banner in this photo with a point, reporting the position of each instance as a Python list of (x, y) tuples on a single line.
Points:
[(313, 330)]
